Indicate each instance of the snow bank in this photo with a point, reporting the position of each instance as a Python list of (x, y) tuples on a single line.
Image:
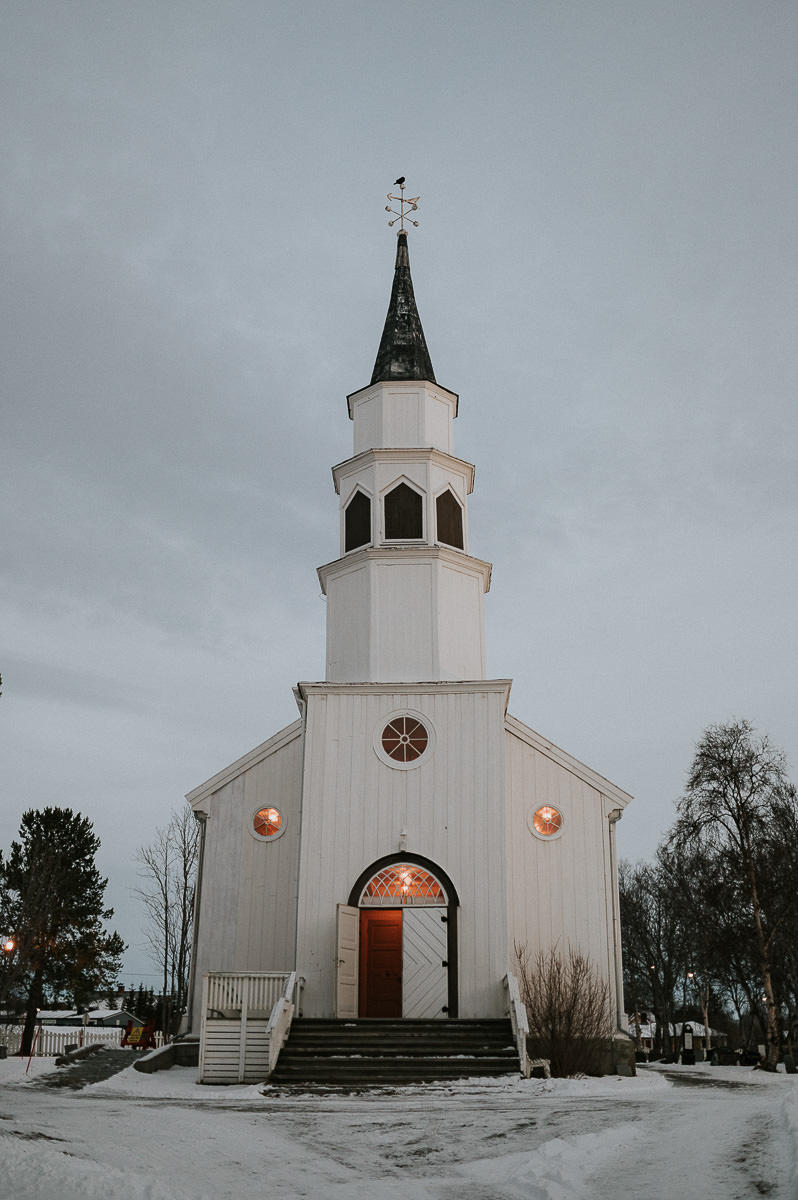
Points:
[(557, 1170), (12, 1070), (33, 1170)]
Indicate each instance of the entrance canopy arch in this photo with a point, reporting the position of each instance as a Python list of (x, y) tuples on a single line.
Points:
[(404, 909), (381, 875)]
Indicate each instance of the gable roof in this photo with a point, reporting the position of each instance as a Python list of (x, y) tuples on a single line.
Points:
[(205, 790), (592, 778)]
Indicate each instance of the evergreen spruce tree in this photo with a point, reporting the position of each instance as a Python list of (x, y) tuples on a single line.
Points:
[(52, 900)]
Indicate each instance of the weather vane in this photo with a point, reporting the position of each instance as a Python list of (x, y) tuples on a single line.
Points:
[(409, 205)]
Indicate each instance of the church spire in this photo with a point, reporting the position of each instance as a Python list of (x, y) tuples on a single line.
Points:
[(403, 352)]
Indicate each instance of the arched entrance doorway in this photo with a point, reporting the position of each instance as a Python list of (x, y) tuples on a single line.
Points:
[(397, 942)]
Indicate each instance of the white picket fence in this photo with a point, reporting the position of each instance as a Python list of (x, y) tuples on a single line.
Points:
[(52, 1040)]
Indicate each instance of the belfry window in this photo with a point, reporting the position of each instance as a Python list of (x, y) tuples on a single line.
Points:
[(357, 522), (449, 516), (404, 514)]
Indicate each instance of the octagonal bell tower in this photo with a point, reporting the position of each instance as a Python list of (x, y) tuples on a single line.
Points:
[(405, 599)]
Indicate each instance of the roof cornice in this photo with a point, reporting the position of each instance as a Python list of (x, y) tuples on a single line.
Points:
[(403, 454), (398, 385)]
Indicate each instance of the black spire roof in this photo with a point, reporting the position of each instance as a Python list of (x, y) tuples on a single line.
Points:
[(403, 352)]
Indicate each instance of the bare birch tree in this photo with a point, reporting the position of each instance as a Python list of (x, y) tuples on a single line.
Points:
[(740, 816), (167, 869)]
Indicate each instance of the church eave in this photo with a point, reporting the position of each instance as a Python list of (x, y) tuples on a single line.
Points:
[(306, 688), (402, 454), (592, 778), (412, 552), (395, 385), (200, 795)]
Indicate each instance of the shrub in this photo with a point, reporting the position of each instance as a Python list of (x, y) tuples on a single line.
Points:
[(568, 1008)]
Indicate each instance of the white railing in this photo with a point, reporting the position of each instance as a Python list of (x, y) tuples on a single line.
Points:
[(229, 994), (53, 1040), (280, 1021), (516, 1010), (246, 1016)]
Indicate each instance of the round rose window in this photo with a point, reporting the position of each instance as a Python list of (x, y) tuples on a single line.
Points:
[(404, 739), (547, 821), (268, 822)]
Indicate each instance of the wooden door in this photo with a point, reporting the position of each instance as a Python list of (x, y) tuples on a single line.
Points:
[(346, 966), (425, 970), (380, 962)]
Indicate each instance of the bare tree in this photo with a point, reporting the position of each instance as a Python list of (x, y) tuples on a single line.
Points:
[(568, 1008), (167, 868), (740, 816), (652, 932)]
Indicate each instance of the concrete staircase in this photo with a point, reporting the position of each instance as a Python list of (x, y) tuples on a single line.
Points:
[(358, 1052)]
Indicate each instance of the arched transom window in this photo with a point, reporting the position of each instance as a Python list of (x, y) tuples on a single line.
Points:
[(400, 884)]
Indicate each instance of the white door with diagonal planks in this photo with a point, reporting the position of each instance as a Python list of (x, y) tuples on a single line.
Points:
[(425, 972)]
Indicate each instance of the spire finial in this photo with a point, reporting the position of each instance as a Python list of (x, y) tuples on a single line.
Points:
[(405, 206)]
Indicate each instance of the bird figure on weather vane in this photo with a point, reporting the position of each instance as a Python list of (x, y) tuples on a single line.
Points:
[(406, 205)]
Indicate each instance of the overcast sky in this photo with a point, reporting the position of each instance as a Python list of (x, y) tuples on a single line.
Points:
[(196, 270)]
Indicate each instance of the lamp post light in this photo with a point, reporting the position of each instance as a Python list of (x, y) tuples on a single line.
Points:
[(688, 1054)]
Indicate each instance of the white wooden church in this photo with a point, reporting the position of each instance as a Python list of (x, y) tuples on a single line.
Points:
[(381, 857)]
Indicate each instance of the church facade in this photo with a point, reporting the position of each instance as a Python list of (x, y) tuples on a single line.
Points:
[(398, 842)]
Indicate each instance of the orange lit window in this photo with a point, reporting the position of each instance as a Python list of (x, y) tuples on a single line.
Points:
[(547, 821), (405, 739), (402, 883), (268, 822)]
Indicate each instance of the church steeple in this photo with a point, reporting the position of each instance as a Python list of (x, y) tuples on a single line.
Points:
[(405, 599), (403, 352)]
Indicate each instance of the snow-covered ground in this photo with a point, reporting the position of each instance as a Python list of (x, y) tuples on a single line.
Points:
[(723, 1133)]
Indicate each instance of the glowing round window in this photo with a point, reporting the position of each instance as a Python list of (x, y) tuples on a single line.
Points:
[(546, 821), (268, 822), (404, 739)]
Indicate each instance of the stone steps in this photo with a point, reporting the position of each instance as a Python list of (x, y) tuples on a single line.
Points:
[(381, 1051)]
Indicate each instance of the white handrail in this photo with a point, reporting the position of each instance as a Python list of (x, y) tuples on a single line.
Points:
[(516, 1010), (280, 1021), (255, 1003)]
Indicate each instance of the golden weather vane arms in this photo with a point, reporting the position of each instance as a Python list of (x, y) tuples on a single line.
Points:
[(407, 204)]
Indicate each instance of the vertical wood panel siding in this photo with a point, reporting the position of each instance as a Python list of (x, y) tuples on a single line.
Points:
[(248, 901), (559, 890), (452, 807)]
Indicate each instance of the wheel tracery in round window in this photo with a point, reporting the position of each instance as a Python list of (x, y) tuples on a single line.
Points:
[(267, 822), (404, 739), (547, 821)]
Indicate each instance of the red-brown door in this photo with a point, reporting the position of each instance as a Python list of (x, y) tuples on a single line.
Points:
[(381, 962)]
